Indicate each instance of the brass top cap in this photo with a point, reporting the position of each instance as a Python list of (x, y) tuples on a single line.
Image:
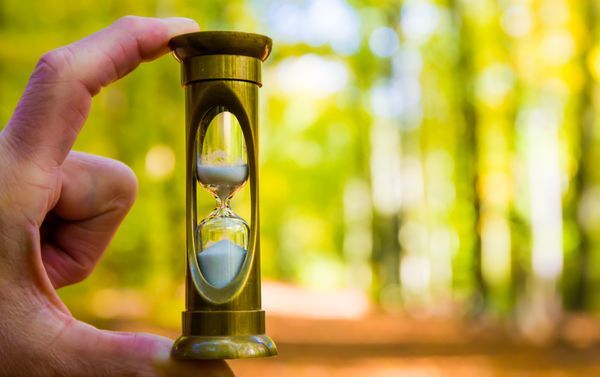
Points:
[(221, 43)]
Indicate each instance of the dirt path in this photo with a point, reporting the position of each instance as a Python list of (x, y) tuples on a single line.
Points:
[(383, 346)]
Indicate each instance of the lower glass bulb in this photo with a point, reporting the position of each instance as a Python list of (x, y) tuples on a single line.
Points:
[(223, 247)]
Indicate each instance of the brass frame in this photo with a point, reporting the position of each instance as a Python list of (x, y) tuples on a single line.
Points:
[(222, 71)]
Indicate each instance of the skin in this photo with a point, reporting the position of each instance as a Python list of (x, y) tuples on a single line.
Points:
[(59, 209)]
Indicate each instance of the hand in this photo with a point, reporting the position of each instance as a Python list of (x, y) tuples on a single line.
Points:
[(59, 210)]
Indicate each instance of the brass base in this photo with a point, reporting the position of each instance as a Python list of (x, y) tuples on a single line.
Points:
[(223, 347)]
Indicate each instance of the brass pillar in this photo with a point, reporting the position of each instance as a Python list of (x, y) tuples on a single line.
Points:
[(221, 71)]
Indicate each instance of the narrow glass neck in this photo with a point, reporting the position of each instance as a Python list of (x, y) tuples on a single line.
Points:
[(223, 203), (223, 207)]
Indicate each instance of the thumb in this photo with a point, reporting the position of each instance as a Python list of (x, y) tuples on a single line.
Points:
[(116, 354), (108, 353)]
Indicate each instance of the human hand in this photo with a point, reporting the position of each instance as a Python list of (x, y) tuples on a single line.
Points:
[(59, 210)]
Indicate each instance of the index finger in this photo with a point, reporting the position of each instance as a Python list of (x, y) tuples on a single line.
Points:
[(57, 99)]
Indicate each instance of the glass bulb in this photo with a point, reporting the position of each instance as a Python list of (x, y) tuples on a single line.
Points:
[(223, 243), (222, 166)]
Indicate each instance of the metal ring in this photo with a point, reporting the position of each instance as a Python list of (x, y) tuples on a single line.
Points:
[(221, 67)]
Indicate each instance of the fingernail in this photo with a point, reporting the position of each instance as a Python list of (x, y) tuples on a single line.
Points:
[(180, 19), (162, 353), (180, 25)]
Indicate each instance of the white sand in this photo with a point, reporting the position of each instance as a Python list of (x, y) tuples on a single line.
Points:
[(221, 262)]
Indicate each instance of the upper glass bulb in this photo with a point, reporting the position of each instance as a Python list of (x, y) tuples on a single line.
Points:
[(222, 166)]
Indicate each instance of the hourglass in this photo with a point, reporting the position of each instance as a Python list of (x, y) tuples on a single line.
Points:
[(221, 72)]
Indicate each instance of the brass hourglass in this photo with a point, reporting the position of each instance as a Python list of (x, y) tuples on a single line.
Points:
[(221, 72)]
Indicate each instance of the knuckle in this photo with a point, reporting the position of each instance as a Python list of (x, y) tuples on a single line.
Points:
[(128, 22), (81, 264), (127, 185), (80, 272), (53, 63)]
